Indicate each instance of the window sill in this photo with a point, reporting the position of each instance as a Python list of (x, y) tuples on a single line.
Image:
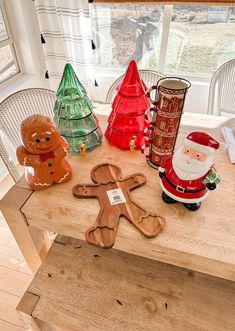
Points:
[(21, 81)]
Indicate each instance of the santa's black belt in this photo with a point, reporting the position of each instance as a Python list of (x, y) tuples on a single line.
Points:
[(182, 189)]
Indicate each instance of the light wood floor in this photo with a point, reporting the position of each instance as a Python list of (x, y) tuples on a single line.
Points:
[(15, 275)]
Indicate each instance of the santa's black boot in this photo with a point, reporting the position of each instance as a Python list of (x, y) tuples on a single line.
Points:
[(193, 206), (167, 199)]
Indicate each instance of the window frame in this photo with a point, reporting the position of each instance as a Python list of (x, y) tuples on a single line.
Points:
[(171, 2), (9, 41)]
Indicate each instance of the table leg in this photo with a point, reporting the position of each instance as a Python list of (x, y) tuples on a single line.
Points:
[(32, 242), (26, 308)]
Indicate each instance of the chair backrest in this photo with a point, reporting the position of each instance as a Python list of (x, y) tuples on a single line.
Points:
[(222, 90), (149, 77), (21, 104)]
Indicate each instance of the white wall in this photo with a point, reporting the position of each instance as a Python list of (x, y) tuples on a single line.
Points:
[(26, 34), (25, 31), (23, 81)]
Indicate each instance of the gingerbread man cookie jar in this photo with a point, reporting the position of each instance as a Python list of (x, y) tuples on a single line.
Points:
[(43, 153)]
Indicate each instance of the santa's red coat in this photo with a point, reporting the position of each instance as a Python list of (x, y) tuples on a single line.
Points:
[(178, 192)]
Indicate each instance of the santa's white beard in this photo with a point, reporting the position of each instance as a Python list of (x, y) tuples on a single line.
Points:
[(190, 169)]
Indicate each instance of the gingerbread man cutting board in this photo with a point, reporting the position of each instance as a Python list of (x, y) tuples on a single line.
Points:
[(113, 193)]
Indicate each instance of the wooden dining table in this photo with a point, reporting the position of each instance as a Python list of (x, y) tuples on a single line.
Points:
[(202, 241)]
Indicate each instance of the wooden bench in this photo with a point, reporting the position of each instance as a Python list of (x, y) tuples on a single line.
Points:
[(85, 288)]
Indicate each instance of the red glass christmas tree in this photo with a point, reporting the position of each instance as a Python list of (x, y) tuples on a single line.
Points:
[(126, 122)]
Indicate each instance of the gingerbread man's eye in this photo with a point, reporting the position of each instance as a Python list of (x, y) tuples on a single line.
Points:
[(47, 139), (37, 140)]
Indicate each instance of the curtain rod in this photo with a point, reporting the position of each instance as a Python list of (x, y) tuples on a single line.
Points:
[(172, 2)]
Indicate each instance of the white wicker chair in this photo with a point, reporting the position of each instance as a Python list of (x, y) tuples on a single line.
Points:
[(150, 78), (14, 109), (222, 90)]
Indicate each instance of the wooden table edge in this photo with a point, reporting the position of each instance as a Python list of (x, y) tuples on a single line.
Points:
[(33, 242)]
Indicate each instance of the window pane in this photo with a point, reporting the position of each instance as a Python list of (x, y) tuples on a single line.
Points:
[(125, 32), (7, 65), (200, 39), (3, 30)]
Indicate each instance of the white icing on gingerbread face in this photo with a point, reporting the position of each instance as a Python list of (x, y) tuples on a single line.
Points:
[(41, 141)]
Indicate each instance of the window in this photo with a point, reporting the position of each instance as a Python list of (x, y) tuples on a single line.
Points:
[(125, 32), (8, 62), (200, 39), (177, 40)]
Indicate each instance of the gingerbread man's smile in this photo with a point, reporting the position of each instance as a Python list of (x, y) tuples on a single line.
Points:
[(43, 149)]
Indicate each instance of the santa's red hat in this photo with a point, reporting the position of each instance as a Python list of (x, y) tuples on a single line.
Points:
[(202, 142)]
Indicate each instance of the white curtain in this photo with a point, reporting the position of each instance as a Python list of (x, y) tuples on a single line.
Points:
[(65, 27)]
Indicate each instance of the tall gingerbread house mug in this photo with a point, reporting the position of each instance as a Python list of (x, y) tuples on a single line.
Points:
[(164, 124)]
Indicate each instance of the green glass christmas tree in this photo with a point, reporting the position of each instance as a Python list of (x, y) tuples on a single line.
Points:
[(74, 114)]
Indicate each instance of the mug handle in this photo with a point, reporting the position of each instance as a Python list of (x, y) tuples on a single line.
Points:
[(145, 148), (154, 87), (149, 119), (149, 115)]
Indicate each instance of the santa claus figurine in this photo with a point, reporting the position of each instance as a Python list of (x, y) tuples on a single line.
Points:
[(188, 174)]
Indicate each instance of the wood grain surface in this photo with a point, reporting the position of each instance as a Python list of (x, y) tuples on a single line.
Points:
[(82, 287), (202, 240)]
